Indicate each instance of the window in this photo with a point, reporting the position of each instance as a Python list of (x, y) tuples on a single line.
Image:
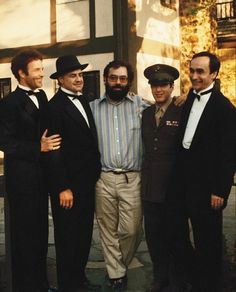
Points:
[(5, 86)]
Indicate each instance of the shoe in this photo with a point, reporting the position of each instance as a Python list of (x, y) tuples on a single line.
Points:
[(184, 287), (52, 289), (157, 286), (118, 285), (86, 285)]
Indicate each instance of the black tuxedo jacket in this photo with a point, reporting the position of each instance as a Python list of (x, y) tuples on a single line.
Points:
[(76, 165), (160, 147), (211, 157), (20, 133)]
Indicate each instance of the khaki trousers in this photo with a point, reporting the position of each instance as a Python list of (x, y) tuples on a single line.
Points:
[(119, 217)]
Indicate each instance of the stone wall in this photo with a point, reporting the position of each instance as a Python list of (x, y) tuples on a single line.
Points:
[(199, 33), (228, 72)]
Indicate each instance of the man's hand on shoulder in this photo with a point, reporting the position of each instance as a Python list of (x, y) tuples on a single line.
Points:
[(50, 143), (149, 101), (180, 100), (66, 199)]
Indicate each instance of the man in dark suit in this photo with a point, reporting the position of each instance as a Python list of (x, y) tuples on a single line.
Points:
[(160, 124), (74, 170), (203, 175), (23, 144)]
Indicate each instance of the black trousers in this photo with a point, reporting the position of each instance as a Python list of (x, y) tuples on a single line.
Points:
[(73, 234), (201, 265), (29, 240), (155, 232)]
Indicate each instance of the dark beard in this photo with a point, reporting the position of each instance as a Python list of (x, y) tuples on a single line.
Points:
[(116, 95)]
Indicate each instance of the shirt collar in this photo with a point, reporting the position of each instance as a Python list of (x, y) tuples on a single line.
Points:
[(165, 105), (70, 92), (205, 89), (27, 88)]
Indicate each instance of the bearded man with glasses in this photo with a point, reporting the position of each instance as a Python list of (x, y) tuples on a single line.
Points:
[(117, 115)]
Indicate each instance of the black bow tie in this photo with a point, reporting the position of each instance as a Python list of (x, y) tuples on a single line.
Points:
[(30, 92), (198, 95), (75, 96)]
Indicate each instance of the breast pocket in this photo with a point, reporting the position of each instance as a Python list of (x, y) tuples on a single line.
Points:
[(135, 123)]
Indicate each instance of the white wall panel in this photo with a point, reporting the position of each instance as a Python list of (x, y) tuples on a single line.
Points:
[(104, 18), (24, 23), (72, 21), (156, 22)]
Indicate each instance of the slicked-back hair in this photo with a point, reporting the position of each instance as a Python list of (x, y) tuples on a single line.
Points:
[(214, 61), (117, 64), (22, 59)]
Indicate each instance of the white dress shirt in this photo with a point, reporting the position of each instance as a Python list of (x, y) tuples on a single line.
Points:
[(194, 116), (32, 97), (77, 103)]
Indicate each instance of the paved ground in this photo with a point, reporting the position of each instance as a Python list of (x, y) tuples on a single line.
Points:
[(140, 272)]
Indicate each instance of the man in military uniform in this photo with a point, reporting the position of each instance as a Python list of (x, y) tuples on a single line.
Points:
[(160, 124)]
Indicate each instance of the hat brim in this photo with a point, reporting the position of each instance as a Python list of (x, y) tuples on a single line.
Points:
[(160, 82), (61, 73)]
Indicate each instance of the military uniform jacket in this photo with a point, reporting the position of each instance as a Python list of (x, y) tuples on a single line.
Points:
[(159, 151)]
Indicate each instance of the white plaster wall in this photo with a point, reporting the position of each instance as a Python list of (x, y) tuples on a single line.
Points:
[(145, 60), (104, 18), (24, 23), (73, 21), (156, 22)]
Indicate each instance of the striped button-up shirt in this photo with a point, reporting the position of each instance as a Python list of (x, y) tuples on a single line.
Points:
[(119, 132)]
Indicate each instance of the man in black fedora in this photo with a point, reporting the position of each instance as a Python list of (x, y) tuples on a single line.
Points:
[(73, 172)]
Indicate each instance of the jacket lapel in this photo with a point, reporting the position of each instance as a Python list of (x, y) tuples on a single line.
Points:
[(89, 116), (152, 117), (76, 115), (205, 120), (185, 114), (27, 104)]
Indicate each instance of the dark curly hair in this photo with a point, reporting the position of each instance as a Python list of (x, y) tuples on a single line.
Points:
[(22, 59), (117, 64)]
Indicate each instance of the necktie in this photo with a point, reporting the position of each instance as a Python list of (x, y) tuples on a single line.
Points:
[(158, 115), (198, 96)]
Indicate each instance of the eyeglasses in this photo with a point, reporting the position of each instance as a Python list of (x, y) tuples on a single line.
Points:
[(114, 78)]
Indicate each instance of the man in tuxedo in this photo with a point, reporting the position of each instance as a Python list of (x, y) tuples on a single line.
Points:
[(23, 142), (203, 176), (73, 172)]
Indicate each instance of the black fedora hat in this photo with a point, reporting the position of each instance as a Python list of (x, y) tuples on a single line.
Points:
[(65, 64)]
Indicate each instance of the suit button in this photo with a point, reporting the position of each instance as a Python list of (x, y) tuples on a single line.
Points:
[(155, 139), (155, 148)]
